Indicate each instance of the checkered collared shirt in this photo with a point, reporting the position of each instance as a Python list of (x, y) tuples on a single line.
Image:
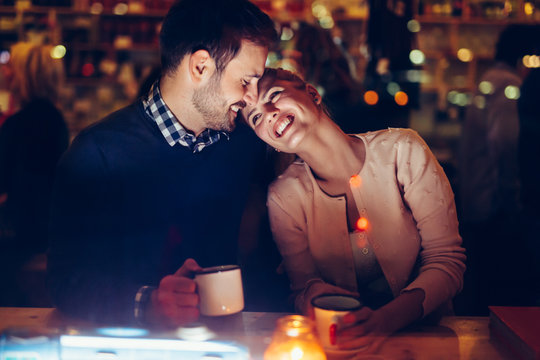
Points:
[(171, 128)]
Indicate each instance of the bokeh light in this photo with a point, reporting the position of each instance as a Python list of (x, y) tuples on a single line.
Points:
[(417, 57), (401, 98), (392, 88), (465, 55), (512, 92), (287, 33), (326, 22), (528, 8), (413, 26), (486, 87), (319, 10), (531, 61), (96, 8), (452, 96), (414, 75), (121, 9), (462, 99), (58, 52), (4, 57), (371, 97), (480, 102)]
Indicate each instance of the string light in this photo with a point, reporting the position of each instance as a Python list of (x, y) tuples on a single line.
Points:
[(355, 181), (362, 224)]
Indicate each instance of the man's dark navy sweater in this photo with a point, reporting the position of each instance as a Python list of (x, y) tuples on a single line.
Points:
[(128, 209)]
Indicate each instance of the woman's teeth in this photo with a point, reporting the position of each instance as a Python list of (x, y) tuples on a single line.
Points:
[(283, 125)]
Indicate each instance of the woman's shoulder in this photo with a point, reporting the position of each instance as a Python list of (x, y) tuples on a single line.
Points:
[(390, 140), (294, 181), (390, 134)]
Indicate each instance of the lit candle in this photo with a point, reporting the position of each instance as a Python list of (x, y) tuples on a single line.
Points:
[(294, 339)]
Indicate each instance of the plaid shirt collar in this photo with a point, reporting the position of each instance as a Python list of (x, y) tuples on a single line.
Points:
[(171, 128)]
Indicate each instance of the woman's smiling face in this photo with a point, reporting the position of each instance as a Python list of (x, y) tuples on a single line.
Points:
[(285, 110)]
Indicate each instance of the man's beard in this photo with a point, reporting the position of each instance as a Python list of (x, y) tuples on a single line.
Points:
[(210, 103)]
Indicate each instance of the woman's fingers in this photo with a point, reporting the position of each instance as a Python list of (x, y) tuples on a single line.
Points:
[(357, 316)]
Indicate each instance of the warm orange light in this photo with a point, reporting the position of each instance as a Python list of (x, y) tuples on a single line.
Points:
[(355, 181), (294, 339), (401, 98), (362, 224), (371, 97)]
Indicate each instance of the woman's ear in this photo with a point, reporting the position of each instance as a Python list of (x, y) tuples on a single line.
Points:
[(201, 66), (312, 91)]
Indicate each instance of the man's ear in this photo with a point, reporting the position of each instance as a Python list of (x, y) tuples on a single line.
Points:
[(201, 66), (312, 91)]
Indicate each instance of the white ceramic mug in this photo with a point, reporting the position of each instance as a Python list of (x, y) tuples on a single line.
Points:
[(328, 309), (220, 290)]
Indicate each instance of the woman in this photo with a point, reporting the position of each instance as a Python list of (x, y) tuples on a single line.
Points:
[(370, 214), (31, 142)]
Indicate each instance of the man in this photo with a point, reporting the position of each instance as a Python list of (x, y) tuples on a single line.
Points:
[(164, 180)]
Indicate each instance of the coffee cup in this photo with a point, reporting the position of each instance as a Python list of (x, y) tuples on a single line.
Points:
[(328, 310), (220, 290)]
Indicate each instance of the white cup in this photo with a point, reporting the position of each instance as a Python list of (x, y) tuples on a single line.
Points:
[(220, 290), (328, 310)]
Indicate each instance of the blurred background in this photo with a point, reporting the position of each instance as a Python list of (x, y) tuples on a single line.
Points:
[(396, 62)]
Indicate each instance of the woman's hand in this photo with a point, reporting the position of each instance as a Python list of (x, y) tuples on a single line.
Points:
[(364, 329), (367, 328)]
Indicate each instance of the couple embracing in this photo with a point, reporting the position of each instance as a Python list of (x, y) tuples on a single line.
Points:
[(155, 191)]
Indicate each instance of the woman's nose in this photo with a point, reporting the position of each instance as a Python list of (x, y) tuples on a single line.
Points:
[(271, 113)]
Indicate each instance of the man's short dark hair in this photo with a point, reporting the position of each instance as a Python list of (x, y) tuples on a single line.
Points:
[(217, 26)]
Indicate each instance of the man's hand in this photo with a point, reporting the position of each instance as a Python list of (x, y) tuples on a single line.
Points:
[(176, 301)]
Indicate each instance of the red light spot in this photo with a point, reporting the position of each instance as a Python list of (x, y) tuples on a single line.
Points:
[(362, 224), (87, 69), (355, 181)]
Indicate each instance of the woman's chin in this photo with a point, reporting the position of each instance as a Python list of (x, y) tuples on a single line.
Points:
[(294, 140)]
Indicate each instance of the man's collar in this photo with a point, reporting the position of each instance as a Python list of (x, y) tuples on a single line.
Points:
[(172, 129)]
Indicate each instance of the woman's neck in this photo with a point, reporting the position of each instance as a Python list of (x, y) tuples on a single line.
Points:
[(333, 157)]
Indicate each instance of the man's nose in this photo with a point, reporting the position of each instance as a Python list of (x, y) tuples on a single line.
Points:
[(250, 95)]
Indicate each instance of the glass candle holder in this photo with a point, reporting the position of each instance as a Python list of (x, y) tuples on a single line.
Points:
[(294, 339)]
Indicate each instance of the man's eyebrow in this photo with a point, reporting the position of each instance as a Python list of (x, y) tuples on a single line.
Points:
[(255, 75)]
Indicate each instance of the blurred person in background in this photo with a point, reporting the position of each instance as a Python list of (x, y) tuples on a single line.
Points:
[(489, 183), (31, 143)]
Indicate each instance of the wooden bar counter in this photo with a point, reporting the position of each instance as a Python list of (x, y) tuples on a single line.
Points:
[(463, 338)]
